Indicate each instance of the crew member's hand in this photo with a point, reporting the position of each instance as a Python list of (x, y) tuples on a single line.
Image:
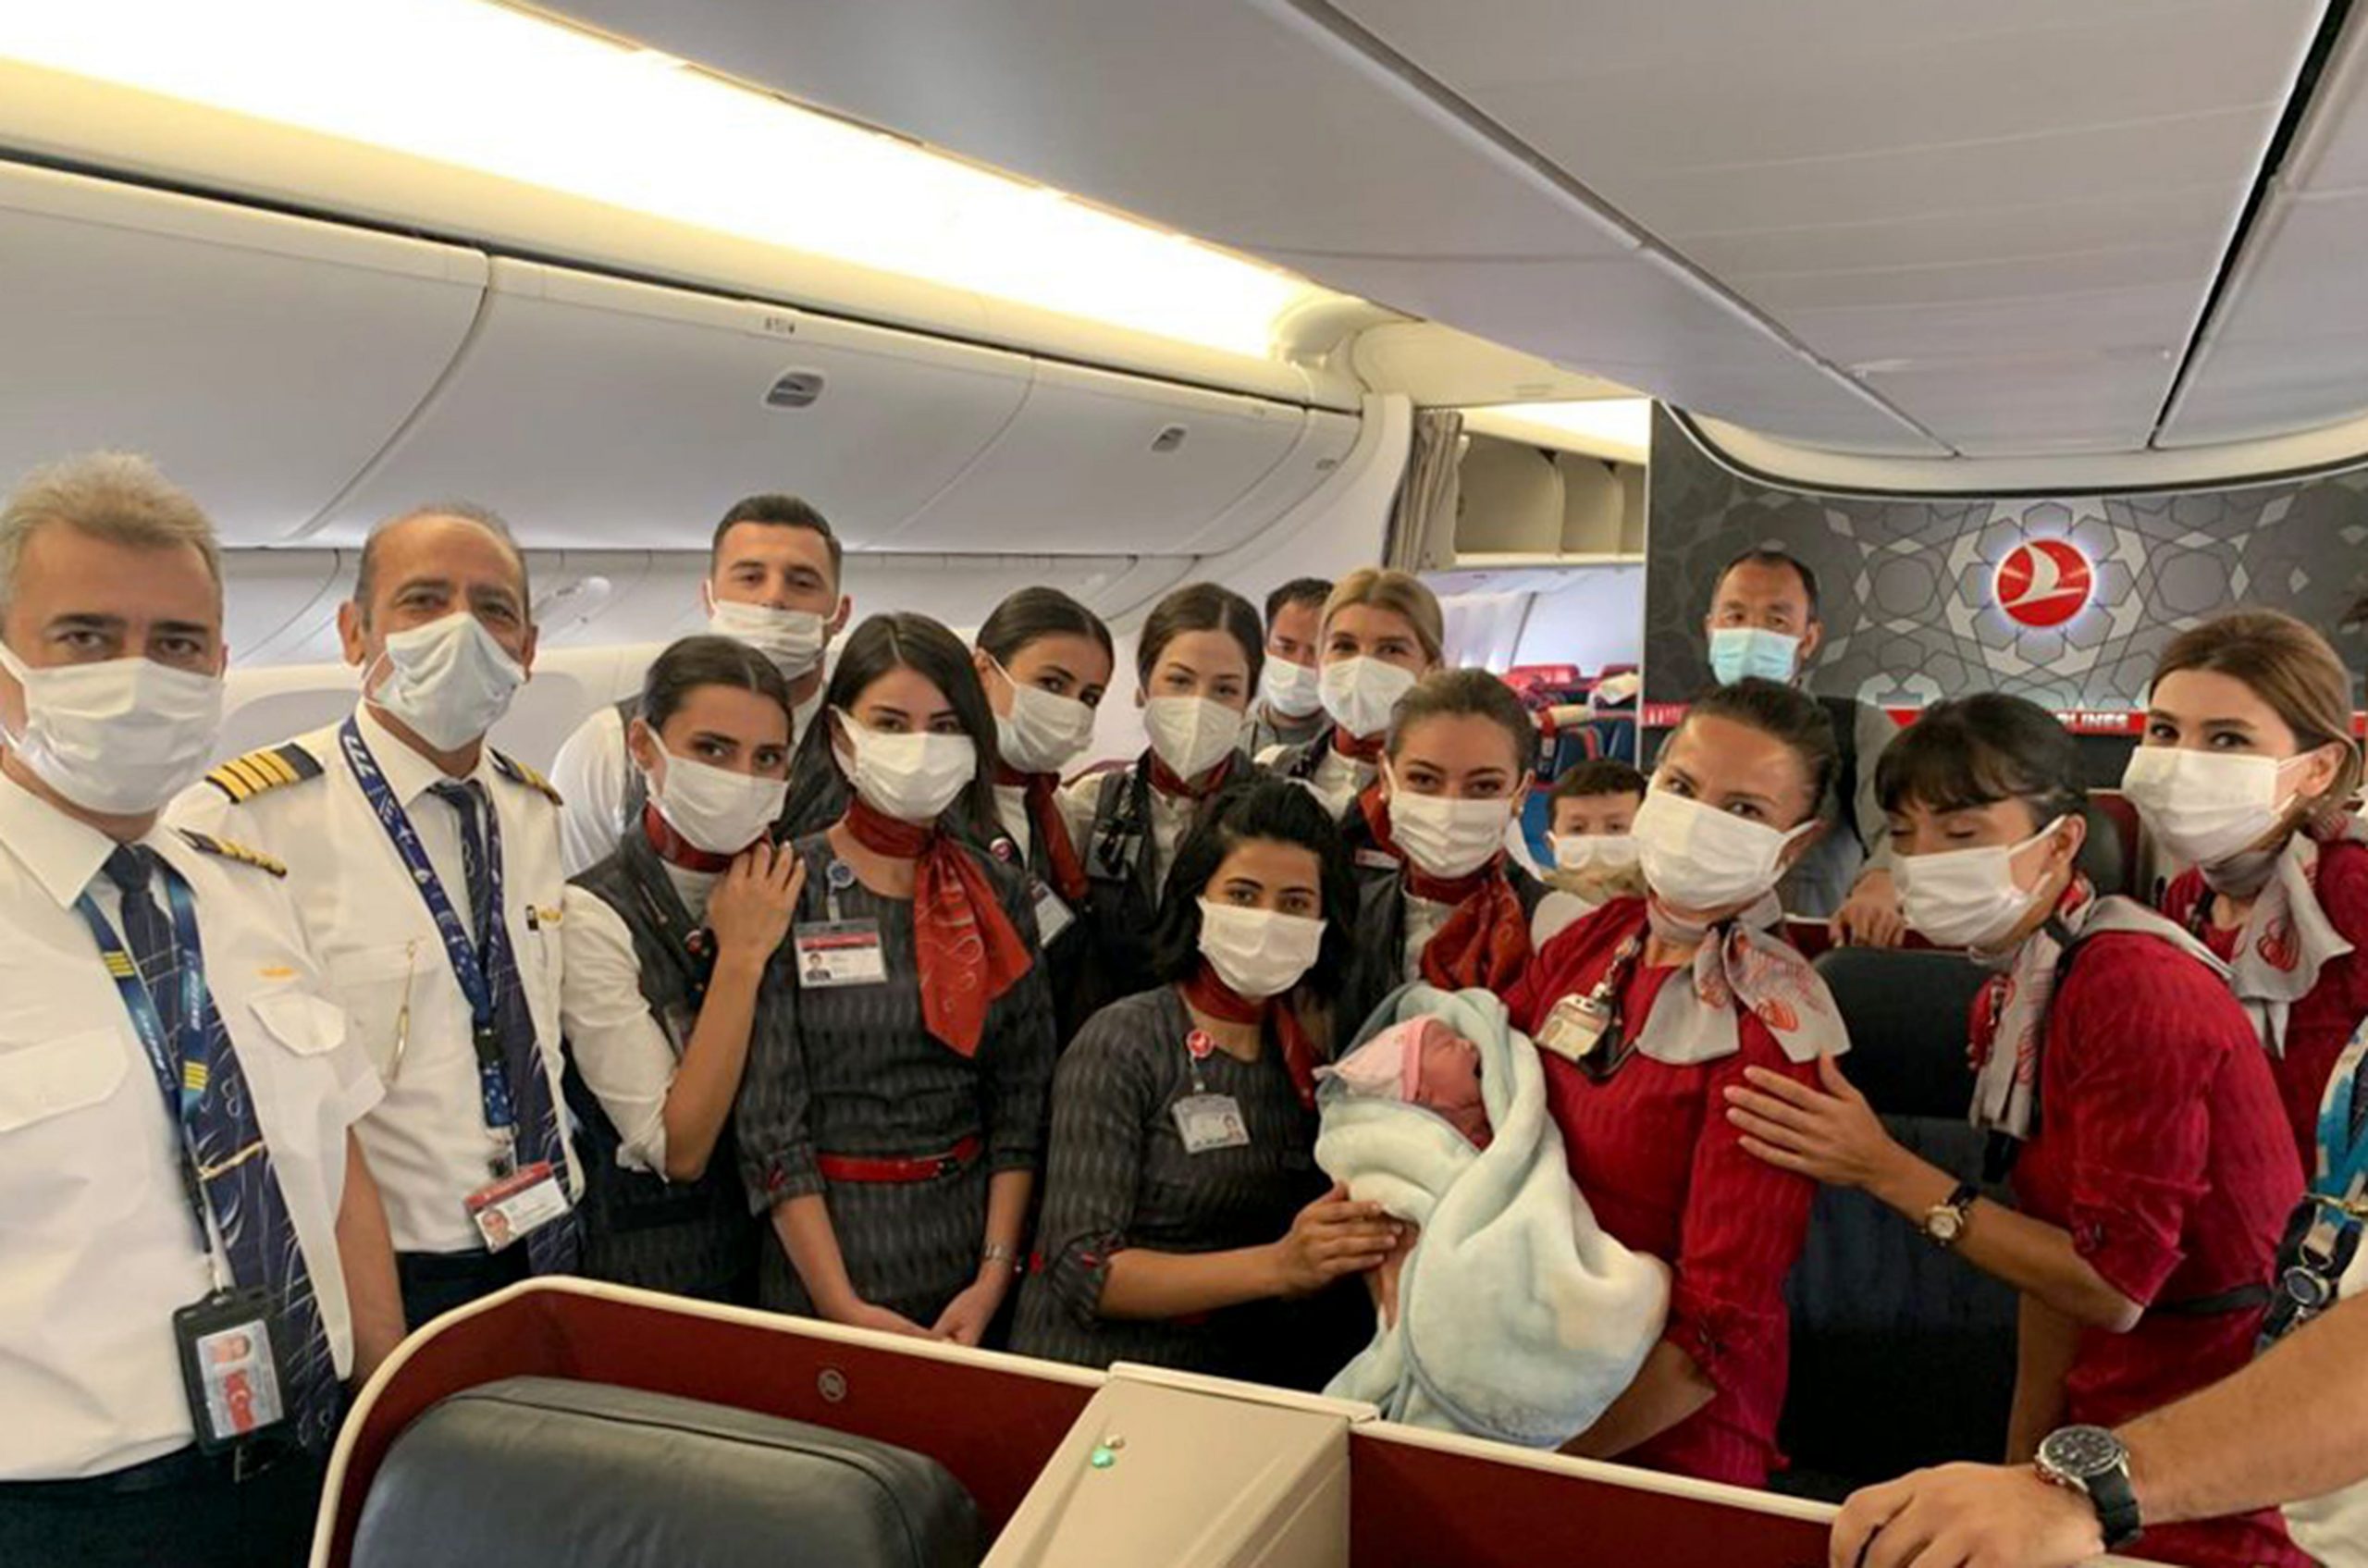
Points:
[(1871, 916), (750, 908), (966, 1317), (1331, 1236), (1966, 1516), (1830, 1135)]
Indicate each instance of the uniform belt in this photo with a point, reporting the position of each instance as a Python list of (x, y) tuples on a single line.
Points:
[(182, 1467), (873, 1168)]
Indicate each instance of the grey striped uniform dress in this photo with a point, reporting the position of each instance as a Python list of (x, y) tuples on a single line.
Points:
[(1118, 1177), (854, 1073)]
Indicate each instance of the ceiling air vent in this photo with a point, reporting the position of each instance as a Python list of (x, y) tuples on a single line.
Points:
[(1168, 440), (795, 388)]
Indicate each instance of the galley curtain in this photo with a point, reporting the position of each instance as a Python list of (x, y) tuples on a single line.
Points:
[(1422, 522)]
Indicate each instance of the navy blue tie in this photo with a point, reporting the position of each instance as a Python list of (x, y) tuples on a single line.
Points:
[(553, 1248), (235, 1168)]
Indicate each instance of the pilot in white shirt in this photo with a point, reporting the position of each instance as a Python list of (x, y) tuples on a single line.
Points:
[(402, 829), (773, 583), (178, 1176)]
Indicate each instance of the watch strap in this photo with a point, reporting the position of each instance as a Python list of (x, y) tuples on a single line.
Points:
[(2116, 1501)]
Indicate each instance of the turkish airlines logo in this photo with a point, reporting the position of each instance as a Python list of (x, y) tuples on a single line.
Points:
[(2044, 582)]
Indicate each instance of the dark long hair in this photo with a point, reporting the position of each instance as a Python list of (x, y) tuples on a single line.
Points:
[(1202, 607), (1975, 751), (1269, 808), (904, 639), (708, 661), (1034, 613), (1782, 713)]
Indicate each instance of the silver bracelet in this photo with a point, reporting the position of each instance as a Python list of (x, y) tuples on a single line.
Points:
[(1002, 1253)]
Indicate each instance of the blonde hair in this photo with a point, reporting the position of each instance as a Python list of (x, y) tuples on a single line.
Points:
[(114, 496), (1402, 594), (2288, 665)]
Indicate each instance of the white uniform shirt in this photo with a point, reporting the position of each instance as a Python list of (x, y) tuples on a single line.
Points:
[(590, 773), (428, 1142), (1556, 912), (622, 1052), (100, 1246), (1171, 818), (1011, 810), (1337, 779)]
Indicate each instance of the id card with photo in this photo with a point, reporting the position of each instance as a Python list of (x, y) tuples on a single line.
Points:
[(230, 1346), (518, 1204), (833, 953), (1210, 1121), (1575, 1027), (1053, 914)]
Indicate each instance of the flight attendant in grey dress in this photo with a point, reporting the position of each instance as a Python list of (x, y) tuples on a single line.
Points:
[(670, 966), (892, 1124), (1185, 1222)]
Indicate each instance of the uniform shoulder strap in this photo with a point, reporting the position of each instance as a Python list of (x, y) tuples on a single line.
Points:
[(517, 773), (207, 844), (276, 767)]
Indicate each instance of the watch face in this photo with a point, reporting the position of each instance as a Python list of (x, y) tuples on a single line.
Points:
[(1944, 1225), (2082, 1452)]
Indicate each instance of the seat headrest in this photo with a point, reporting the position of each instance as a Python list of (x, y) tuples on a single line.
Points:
[(1907, 1013), (2109, 854)]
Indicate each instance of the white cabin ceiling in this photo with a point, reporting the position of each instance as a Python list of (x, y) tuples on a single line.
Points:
[(1865, 226)]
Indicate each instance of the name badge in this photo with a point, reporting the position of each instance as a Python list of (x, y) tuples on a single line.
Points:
[(231, 1366), (1054, 915), (518, 1204), (1210, 1121), (1575, 1027), (840, 953)]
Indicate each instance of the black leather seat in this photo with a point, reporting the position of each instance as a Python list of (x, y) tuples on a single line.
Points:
[(545, 1473), (1902, 1355)]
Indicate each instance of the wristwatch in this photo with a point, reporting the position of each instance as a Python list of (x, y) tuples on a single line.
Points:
[(1946, 1221), (2092, 1462)]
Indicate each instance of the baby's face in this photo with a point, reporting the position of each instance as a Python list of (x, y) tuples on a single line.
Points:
[(1447, 1076)]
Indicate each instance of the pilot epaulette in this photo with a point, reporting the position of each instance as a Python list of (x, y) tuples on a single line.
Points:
[(518, 773), (274, 767), (207, 844)]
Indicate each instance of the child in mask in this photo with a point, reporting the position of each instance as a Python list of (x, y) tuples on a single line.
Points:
[(1197, 666), (1643, 1012), (669, 976), (892, 1117), (1185, 1222), (1382, 631), (1445, 902), (1593, 806), (2243, 777)]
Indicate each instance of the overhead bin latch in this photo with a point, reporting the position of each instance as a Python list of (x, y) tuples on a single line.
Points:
[(1169, 438), (798, 389)]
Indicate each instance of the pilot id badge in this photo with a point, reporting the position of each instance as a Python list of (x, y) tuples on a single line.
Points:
[(518, 1204), (1210, 1121), (1575, 1027), (232, 1349), (833, 953)]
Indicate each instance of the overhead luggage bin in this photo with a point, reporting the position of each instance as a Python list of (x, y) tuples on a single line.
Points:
[(262, 360), (598, 413)]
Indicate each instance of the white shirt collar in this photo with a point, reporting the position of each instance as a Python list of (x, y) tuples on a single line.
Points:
[(62, 854), (408, 772), (801, 717)]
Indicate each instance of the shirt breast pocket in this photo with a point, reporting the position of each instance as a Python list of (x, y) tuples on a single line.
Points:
[(376, 987), (62, 1074), (306, 1024)]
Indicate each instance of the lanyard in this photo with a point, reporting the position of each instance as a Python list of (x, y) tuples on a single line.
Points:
[(2343, 1158), (180, 1062), (469, 953)]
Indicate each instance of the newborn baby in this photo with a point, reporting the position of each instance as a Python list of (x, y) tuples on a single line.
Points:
[(1421, 1062)]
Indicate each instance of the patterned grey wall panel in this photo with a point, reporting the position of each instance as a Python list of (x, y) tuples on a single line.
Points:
[(1925, 598)]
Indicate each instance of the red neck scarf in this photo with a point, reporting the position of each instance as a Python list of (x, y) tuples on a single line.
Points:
[(1050, 831), (967, 951), (1163, 779), (1365, 750), (1485, 941), (674, 849), (1213, 996)]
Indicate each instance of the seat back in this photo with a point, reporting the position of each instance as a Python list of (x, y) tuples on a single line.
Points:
[(548, 1473), (1901, 1355)]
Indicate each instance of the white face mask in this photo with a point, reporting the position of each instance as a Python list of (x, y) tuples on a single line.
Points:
[(715, 809), (1444, 838), (1698, 860), (449, 681), (1966, 898), (1293, 690), (1191, 734), (793, 640), (1258, 953), (1359, 693), (910, 777), (1594, 851), (120, 738), (2205, 806), (1044, 732)]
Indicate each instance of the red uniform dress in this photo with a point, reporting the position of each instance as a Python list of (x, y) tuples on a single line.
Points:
[(2322, 1022), (2162, 1148), (1666, 1174)]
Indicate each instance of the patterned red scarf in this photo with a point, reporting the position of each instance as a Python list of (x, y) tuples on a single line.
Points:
[(1207, 993), (1484, 942), (1365, 750), (1163, 779), (674, 849), (1050, 831), (967, 950)]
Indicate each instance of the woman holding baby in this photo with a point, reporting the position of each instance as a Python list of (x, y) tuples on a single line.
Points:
[(1185, 1222)]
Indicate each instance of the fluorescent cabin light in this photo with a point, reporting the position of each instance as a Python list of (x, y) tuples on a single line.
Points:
[(1625, 425), (477, 85)]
